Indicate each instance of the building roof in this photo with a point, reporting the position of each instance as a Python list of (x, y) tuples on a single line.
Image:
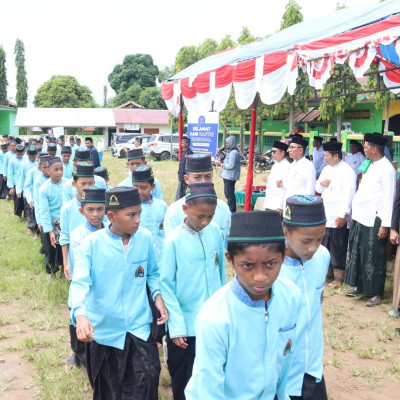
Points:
[(130, 104), (300, 116), (137, 116), (66, 117)]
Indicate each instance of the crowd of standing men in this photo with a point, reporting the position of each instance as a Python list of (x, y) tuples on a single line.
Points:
[(136, 264)]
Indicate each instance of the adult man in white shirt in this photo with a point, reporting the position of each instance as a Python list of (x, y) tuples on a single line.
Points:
[(355, 157), (337, 183), (318, 155), (301, 177), (372, 212), (275, 192)]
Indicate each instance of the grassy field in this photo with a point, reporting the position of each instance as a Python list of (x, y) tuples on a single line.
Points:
[(362, 352)]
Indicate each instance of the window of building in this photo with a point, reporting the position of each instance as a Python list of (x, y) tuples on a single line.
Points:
[(357, 114), (280, 117)]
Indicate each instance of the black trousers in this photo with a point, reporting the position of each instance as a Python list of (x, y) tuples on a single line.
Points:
[(3, 187), (181, 191), (52, 256), (30, 216), (18, 204), (229, 191), (180, 365), (78, 347), (312, 390), (129, 374)]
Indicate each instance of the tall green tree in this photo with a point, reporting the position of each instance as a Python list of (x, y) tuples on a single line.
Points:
[(207, 48), (245, 36), (135, 69), (226, 43), (151, 98), (130, 94), (166, 73), (63, 91), (292, 15), (3, 78), (22, 81), (186, 56)]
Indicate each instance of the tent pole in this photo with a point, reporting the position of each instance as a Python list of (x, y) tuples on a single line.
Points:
[(249, 180), (180, 127)]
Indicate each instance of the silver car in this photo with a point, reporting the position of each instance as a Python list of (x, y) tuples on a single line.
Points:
[(159, 146)]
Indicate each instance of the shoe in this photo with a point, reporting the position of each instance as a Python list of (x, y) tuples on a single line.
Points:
[(376, 300), (352, 292), (336, 283)]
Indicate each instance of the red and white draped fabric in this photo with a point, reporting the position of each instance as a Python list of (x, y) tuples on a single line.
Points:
[(390, 78), (269, 75)]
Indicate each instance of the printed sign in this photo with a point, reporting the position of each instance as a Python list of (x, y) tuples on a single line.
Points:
[(202, 130)]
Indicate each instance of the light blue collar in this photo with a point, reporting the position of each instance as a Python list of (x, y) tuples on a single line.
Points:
[(93, 228), (293, 262), (191, 231), (241, 294), (112, 234)]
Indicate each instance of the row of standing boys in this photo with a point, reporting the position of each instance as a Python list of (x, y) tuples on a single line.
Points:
[(136, 265)]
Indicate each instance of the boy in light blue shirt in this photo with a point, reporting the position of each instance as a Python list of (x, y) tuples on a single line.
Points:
[(68, 166), (7, 157), (109, 303), (3, 182), (12, 172), (192, 269), (306, 265), (103, 173), (246, 331)]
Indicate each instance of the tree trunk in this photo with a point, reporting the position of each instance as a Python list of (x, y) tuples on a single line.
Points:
[(339, 126), (241, 137), (291, 119), (224, 132), (386, 126), (260, 136)]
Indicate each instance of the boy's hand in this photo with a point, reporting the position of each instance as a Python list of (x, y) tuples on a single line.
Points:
[(84, 329), (67, 271), (53, 239), (11, 192), (180, 342), (40, 227), (159, 303), (394, 236)]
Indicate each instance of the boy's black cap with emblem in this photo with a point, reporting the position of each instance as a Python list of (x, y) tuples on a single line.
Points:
[(54, 160), (200, 189), (318, 139), (135, 153), (122, 197), (19, 148), (375, 138), (280, 145), (82, 155), (32, 150), (44, 158), (66, 150), (332, 146), (4, 146), (142, 173), (83, 170), (51, 147), (198, 163), (304, 210), (256, 227), (102, 172), (93, 195)]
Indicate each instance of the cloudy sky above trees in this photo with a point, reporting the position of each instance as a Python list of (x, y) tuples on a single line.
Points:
[(86, 38)]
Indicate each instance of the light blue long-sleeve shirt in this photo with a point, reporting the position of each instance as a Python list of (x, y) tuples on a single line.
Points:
[(50, 200), (244, 349), (37, 183), (30, 178), (156, 192), (70, 192), (175, 216), (192, 269), (152, 218), (68, 169), (309, 276), (121, 307), (2, 155), (7, 157), (70, 218), (12, 171), (318, 160), (25, 166)]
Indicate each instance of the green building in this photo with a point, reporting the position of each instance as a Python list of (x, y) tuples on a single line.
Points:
[(7, 121)]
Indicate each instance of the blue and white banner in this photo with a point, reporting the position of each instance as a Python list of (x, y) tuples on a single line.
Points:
[(202, 130)]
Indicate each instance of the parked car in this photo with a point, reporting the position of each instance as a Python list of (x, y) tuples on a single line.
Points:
[(159, 146), (119, 149)]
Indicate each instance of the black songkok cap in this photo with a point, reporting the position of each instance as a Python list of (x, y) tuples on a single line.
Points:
[(200, 189), (93, 195), (332, 146), (186, 139), (19, 148), (304, 210), (101, 171), (142, 173), (256, 226), (51, 147), (300, 141), (44, 158), (375, 138), (135, 153), (18, 140), (318, 139), (32, 150), (354, 142), (82, 155), (54, 160), (280, 145), (122, 197), (198, 163), (26, 144), (66, 150), (83, 170), (4, 146)]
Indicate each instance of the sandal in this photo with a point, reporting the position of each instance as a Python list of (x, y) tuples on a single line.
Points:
[(336, 283), (72, 362)]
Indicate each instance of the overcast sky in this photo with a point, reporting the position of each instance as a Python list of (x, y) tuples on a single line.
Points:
[(86, 38)]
